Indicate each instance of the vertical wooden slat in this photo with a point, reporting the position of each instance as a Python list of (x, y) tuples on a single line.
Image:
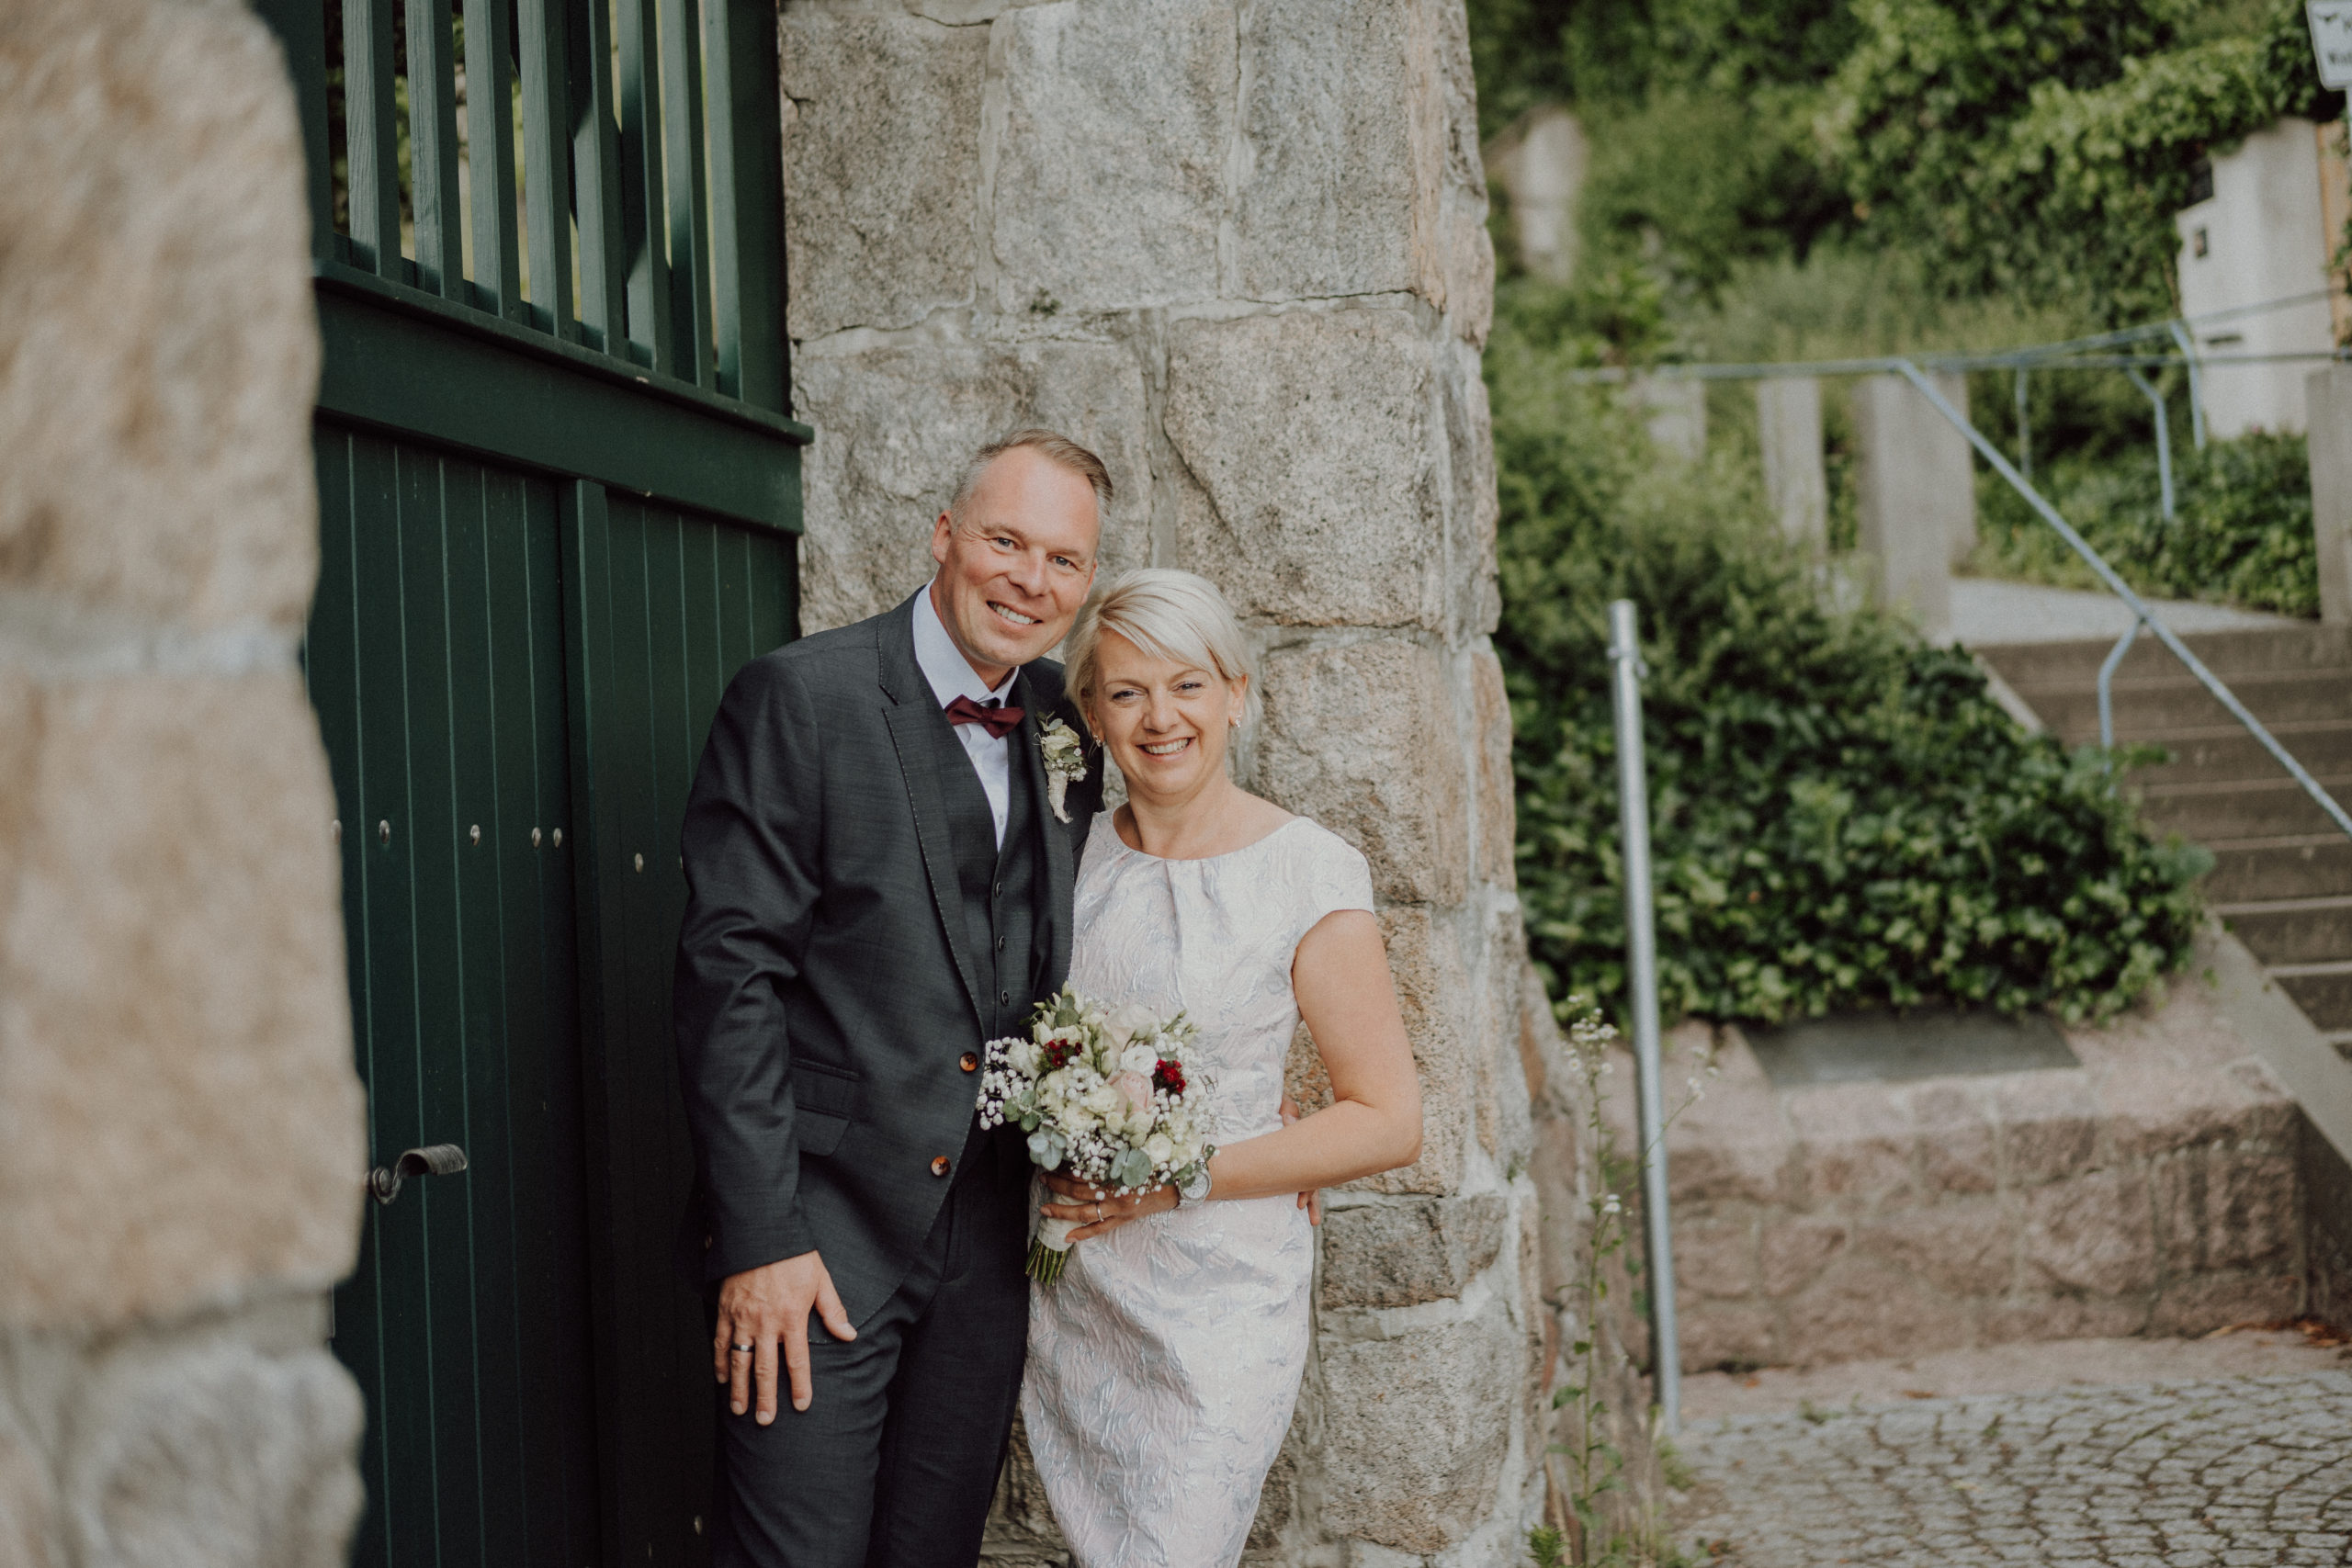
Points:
[(597, 181), (301, 29), (682, 156), (489, 125), (747, 201), (641, 204), (547, 174), (433, 150), (370, 133)]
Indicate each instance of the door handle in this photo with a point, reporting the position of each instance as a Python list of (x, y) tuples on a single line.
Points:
[(434, 1159)]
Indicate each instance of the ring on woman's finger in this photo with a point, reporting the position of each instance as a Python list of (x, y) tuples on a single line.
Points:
[(742, 1350)]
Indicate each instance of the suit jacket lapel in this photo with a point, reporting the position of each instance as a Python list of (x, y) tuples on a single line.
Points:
[(914, 712), (1060, 871)]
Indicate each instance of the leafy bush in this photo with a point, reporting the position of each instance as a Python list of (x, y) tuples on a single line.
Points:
[(2241, 533), (1840, 815)]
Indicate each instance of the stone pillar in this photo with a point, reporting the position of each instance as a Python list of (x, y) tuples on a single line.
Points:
[(180, 1138), (1788, 428), (1674, 413), (2328, 395), (1918, 494), (1238, 247)]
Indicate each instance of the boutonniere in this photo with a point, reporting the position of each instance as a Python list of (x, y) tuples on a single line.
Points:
[(1065, 758)]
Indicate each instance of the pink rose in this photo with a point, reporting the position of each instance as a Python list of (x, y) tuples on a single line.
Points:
[(1137, 1088)]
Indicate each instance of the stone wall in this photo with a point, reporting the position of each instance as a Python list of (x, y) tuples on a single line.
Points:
[(1238, 247), (180, 1139)]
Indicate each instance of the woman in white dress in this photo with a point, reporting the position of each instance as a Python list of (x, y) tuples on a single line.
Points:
[(1164, 1367)]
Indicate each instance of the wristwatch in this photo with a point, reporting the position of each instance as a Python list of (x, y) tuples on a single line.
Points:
[(1195, 1188)]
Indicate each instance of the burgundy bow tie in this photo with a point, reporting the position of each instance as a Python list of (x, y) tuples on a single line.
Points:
[(995, 718)]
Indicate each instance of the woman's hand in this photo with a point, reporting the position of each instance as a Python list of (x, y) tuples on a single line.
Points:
[(1312, 1200), (1097, 1208)]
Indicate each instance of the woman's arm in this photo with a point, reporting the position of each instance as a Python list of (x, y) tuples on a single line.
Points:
[(1373, 1122)]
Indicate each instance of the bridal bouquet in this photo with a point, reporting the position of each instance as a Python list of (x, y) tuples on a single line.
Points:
[(1102, 1093)]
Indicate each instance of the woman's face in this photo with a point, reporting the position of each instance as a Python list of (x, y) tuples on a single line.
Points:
[(1165, 722)]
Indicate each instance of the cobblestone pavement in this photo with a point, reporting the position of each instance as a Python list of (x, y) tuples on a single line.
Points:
[(2252, 1470)]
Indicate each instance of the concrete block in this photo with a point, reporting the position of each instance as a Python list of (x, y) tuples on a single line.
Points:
[(1416, 1430), (1541, 161), (2328, 393), (1111, 156), (1788, 422), (2048, 1125), (217, 1457), (881, 167), (1918, 495), (1311, 440), (1362, 738), (1955, 1139), (1674, 413), (180, 1121), (2095, 1232), (158, 245), (1796, 1248), (1962, 1249), (1857, 1140), (1391, 1255), (901, 423)]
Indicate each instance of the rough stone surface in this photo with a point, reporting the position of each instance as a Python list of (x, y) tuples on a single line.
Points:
[(27, 1512), (1432, 987), (225, 1456), (2191, 1475), (1361, 737), (2098, 1234), (1308, 434), (1390, 1255), (1110, 177), (157, 352), (899, 425), (178, 1120), (1862, 1307), (1413, 1439), (881, 167), (1497, 787)]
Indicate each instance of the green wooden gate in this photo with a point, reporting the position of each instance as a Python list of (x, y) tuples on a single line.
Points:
[(558, 495)]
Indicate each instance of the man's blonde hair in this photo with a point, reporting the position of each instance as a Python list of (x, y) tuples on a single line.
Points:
[(1169, 615), (1056, 449)]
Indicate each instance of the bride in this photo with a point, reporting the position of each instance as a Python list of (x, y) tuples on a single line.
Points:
[(1164, 1367)]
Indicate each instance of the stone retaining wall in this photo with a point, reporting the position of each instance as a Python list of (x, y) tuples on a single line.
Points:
[(1238, 247), (2154, 1190), (180, 1139)]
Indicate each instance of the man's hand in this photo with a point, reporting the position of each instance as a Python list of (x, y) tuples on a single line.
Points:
[(762, 1307)]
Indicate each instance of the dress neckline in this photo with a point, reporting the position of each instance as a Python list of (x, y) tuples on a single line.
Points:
[(1110, 827)]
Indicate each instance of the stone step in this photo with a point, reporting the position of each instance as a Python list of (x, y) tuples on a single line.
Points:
[(2243, 809), (2323, 990), (2227, 654), (2302, 865), (2293, 930), (2158, 709), (2342, 1039), (2230, 752)]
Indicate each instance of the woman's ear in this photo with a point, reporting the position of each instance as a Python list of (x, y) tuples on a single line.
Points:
[(1236, 701)]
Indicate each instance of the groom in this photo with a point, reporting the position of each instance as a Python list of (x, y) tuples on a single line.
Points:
[(878, 884)]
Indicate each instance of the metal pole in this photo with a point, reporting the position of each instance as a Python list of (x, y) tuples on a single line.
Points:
[(2164, 441), (2025, 428), (2196, 388), (1641, 952)]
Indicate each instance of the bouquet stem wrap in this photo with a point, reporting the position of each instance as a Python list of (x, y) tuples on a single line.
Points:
[(1050, 1252)]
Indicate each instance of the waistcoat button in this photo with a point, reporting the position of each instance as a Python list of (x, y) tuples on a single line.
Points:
[(939, 1165), (970, 1062)]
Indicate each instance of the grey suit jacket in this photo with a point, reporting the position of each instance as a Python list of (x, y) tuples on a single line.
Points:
[(826, 989)]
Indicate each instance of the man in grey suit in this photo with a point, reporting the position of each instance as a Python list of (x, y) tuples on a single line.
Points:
[(878, 883)]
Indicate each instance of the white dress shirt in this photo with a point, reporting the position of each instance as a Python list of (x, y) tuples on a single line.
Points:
[(951, 676)]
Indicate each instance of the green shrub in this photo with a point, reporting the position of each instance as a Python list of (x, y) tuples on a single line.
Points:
[(2241, 532), (1840, 815)]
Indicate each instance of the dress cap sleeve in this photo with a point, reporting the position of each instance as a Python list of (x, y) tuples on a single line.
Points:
[(1333, 876)]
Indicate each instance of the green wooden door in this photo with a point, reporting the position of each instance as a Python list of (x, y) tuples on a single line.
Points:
[(558, 501)]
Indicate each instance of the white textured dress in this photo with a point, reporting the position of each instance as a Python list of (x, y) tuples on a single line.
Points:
[(1163, 1368)]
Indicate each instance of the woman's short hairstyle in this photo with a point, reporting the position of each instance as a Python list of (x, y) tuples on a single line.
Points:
[(1169, 615)]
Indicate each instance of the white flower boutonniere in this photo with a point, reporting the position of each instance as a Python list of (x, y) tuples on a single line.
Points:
[(1065, 758)]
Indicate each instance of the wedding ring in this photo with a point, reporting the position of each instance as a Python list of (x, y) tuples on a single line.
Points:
[(742, 1350)]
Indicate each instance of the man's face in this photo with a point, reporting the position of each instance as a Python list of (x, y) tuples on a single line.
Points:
[(1013, 572)]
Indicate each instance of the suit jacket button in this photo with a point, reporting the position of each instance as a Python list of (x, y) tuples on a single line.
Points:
[(1004, 998), (706, 1242), (970, 1062), (939, 1165)]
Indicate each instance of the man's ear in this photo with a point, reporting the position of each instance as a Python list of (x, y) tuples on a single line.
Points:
[(941, 532)]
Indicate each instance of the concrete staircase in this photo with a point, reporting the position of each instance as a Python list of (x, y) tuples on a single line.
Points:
[(2283, 873)]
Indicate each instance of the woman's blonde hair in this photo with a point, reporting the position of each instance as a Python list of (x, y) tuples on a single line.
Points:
[(1169, 615)]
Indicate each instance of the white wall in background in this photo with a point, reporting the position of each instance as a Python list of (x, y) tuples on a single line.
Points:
[(2259, 237)]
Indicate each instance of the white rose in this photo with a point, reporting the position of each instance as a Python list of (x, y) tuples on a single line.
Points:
[(1127, 1022), (1102, 1098), (1161, 1147), (1138, 1060), (1021, 1058)]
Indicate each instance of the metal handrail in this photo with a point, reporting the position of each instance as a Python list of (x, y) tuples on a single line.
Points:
[(2144, 616)]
